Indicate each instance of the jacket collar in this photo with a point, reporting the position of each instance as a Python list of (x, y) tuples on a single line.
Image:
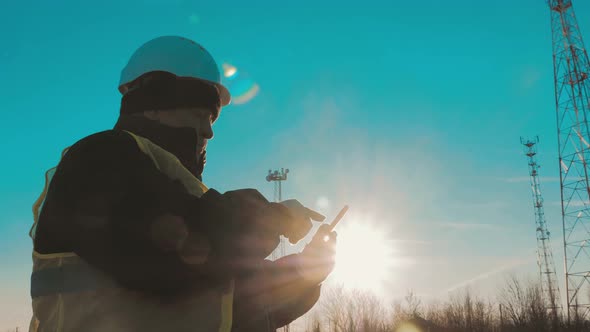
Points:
[(181, 142)]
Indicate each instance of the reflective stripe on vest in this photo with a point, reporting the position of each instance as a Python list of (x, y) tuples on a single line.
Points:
[(65, 279), (59, 276)]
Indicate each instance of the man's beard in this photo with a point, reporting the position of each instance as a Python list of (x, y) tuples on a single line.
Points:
[(201, 161)]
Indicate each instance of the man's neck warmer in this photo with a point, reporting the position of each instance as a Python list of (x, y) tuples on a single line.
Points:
[(181, 142)]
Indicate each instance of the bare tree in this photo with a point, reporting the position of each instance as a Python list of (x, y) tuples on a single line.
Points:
[(521, 303), (513, 299), (354, 310), (409, 309)]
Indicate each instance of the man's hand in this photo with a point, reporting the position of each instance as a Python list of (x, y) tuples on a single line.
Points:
[(301, 221), (317, 259), (258, 222)]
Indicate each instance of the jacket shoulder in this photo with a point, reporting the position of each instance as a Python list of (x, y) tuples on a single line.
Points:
[(105, 142), (105, 137)]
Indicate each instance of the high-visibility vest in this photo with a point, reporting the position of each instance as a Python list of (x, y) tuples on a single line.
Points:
[(70, 295)]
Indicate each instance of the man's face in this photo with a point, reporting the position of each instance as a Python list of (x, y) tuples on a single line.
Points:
[(199, 119)]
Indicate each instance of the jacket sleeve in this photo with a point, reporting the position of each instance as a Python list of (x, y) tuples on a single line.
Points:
[(274, 295), (110, 205)]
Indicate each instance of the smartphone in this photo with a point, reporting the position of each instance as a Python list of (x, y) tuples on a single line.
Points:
[(335, 222), (338, 218)]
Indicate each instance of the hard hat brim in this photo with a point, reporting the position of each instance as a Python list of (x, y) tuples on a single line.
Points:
[(224, 94)]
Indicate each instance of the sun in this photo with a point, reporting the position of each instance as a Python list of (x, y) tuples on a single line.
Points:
[(364, 256)]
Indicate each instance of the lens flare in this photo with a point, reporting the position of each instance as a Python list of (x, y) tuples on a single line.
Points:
[(242, 88), (229, 70), (322, 203), (408, 327), (194, 19)]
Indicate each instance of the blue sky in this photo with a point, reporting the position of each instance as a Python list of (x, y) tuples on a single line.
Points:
[(411, 112)]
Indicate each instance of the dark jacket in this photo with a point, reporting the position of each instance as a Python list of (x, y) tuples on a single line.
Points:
[(115, 187)]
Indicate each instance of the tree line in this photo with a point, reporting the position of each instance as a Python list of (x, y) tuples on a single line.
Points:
[(517, 307)]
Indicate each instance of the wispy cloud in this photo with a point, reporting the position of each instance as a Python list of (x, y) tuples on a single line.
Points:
[(529, 78), (519, 179), (409, 241), (468, 226), (571, 204), (504, 267), (350, 166), (481, 204), (449, 226)]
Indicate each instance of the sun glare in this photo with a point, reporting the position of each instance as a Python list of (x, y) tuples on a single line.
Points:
[(364, 256)]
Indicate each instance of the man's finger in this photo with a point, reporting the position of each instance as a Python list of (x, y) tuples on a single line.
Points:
[(281, 210), (315, 215), (322, 232), (331, 237)]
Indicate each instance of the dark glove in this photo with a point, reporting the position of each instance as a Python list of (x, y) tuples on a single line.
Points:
[(302, 218), (257, 224), (318, 258)]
